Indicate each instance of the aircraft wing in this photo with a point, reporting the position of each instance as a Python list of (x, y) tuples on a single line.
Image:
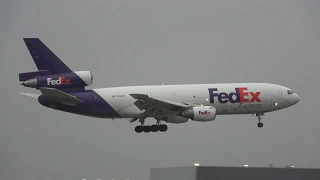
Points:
[(153, 106), (56, 95)]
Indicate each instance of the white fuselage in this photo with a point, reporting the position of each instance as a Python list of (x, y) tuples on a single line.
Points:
[(63, 89), (264, 97)]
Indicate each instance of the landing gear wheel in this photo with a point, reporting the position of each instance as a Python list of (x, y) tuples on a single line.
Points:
[(146, 129), (163, 128), (155, 128), (260, 124), (138, 129)]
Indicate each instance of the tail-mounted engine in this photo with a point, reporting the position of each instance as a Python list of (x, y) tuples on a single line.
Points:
[(62, 80), (200, 113)]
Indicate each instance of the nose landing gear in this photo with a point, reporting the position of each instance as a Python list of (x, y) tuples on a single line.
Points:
[(260, 124)]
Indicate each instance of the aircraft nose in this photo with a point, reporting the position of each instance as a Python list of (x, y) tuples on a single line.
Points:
[(296, 99)]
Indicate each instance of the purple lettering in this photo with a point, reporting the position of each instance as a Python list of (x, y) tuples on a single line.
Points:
[(236, 94), (222, 96), (212, 94), (233, 97)]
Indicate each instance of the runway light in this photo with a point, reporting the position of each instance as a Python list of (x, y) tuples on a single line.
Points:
[(292, 166), (196, 164), (246, 165)]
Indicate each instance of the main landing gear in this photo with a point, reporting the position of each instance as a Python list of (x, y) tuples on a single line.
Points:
[(147, 129), (152, 128), (260, 124)]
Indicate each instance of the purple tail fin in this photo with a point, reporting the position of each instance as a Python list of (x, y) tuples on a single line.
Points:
[(44, 58), (49, 65)]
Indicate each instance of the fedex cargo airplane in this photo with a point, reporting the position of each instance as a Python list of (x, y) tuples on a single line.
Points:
[(64, 89)]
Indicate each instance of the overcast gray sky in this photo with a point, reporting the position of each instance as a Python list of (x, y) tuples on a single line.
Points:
[(145, 42)]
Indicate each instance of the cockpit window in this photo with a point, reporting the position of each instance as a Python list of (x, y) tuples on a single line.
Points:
[(290, 91)]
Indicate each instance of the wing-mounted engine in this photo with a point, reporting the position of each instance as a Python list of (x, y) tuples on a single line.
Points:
[(61, 80), (200, 113), (174, 119)]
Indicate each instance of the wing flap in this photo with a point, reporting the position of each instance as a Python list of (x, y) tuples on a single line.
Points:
[(140, 104)]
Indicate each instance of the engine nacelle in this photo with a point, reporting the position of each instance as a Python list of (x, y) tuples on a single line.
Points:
[(200, 113), (63, 80), (174, 119)]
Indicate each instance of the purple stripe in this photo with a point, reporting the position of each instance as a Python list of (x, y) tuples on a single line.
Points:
[(94, 105)]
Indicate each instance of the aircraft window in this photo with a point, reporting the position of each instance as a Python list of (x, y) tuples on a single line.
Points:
[(290, 91)]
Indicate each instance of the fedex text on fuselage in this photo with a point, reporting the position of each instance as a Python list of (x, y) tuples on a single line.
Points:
[(241, 95)]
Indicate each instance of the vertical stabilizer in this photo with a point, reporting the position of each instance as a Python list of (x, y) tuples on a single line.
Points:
[(52, 72), (44, 58)]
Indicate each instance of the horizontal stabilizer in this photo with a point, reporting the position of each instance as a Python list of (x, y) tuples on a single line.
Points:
[(56, 95), (30, 94)]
